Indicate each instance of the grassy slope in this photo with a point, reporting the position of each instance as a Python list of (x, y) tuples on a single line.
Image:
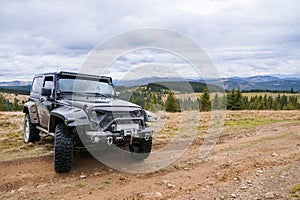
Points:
[(168, 126)]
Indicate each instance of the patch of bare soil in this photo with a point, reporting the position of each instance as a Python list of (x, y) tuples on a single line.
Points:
[(257, 157)]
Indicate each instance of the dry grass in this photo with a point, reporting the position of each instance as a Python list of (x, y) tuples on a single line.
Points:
[(188, 124), (236, 122), (11, 97), (295, 191), (11, 139)]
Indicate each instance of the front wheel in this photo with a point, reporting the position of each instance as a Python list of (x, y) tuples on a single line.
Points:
[(141, 150), (63, 148), (31, 134)]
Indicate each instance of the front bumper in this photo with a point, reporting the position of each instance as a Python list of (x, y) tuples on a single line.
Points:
[(125, 135)]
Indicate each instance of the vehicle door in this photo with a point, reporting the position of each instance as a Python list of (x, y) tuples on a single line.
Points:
[(42, 95), (46, 100)]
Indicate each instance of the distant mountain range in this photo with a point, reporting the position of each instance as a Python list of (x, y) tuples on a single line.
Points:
[(278, 82), (288, 76), (15, 83), (245, 83), (260, 83), (145, 81)]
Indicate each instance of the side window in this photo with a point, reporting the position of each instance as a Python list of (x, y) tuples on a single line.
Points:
[(48, 83), (37, 85)]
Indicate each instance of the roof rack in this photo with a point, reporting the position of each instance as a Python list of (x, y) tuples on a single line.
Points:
[(86, 76)]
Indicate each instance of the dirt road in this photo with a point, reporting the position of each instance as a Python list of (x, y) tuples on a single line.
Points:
[(262, 162)]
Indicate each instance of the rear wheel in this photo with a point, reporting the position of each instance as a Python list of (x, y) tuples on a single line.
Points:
[(141, 150), (63, 148), (31, 134)]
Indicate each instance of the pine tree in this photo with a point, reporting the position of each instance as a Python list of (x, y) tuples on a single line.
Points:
[(171, 104), (215, 103), (292, 103), (2, 107), (205, 103), (230, 99), (245, 103), (5, 105), (153, 99), (238, 100), (275, 105), (260, 103), (283, 102), (270, 103), (152, 105), (16, 105), (222, 102)]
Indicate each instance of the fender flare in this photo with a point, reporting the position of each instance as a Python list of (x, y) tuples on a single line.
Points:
[(30, 109), (69, 115)]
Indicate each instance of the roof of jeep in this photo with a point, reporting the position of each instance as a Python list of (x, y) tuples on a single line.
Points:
[(78, 75)]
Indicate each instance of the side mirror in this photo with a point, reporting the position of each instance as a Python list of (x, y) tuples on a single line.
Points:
[(46, 92), (117, 94)]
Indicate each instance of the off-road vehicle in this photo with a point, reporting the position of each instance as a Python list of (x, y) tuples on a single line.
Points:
[(66, 104)]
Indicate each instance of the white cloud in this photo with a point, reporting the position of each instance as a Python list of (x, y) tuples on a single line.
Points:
[(242, 37), (145, 63)]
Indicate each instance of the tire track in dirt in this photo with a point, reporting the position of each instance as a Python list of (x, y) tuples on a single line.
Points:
[(235, 159)]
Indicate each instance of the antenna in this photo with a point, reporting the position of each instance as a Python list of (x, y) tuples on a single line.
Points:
[(57, 66)]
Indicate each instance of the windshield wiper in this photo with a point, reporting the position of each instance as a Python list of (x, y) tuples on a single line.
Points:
[(85, 94), (74, 93), (97, 94)]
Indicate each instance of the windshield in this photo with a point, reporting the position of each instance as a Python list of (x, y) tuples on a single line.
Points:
[(85, 86)]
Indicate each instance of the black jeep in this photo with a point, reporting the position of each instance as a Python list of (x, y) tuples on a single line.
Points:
[(74, 107)]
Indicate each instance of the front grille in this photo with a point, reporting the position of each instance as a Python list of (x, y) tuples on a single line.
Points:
[(105, 118)]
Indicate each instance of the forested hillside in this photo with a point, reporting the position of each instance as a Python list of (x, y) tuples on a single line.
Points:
[(158, 96)]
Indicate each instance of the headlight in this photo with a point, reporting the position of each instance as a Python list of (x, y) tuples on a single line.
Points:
[(94, 126), (93, 115), (138, 113), (113, 128)]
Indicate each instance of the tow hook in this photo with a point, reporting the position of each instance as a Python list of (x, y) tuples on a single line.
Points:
[(131, 137), (147, 136), (109, 140)]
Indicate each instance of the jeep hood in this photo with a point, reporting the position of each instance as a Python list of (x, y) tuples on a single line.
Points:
[(104, 103)]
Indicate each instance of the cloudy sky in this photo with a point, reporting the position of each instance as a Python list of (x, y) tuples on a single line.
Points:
[(242, 38)]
